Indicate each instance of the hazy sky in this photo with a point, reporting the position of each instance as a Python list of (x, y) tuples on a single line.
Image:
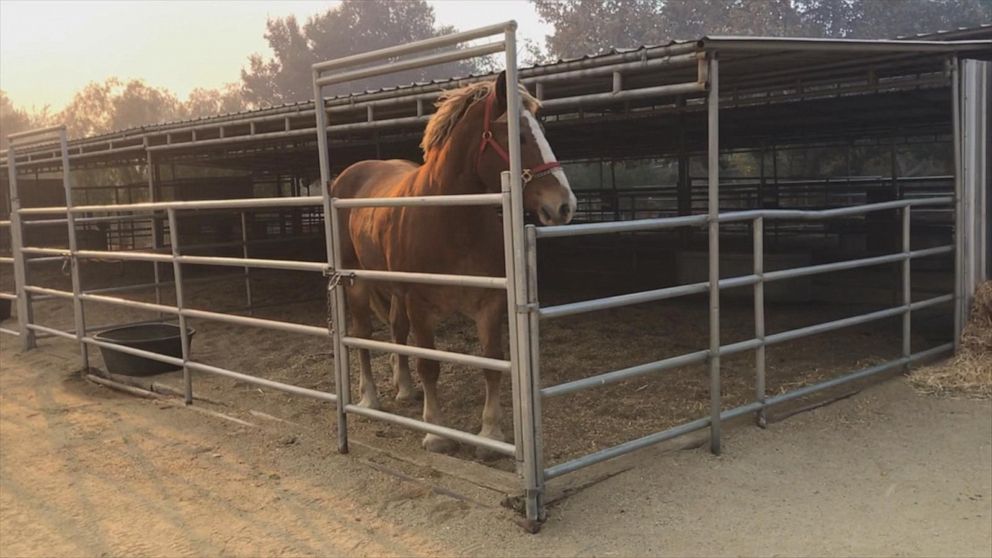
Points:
[(50, 49)]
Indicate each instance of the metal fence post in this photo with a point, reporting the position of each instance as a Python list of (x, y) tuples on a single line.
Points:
[(713, 207), (511, 308), (960, 312), (533, 490), (177, 272), (907, 291), (156, 231), (25, 311), (79, 317), (533, 389), (759, 317), (342, 379), (244, 254)]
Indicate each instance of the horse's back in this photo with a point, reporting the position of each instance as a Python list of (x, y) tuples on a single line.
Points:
[(371, 178)]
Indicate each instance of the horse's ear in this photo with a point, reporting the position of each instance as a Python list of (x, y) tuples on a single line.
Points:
[(501, 93)]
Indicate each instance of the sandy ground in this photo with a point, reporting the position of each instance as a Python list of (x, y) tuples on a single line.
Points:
[(86, 471)]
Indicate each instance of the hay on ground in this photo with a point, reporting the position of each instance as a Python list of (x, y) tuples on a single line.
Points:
[(969, 373)]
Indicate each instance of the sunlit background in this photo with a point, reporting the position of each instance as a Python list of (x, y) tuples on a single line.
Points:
[(49, 50)]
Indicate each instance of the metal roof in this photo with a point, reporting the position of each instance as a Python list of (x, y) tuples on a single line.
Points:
[(748, 60)]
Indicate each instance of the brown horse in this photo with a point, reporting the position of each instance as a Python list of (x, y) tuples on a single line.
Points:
[(465, 151)]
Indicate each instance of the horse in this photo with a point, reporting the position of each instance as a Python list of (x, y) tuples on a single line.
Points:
[(465, 148)]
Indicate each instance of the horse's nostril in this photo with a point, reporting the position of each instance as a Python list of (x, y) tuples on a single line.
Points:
[(565, 210)]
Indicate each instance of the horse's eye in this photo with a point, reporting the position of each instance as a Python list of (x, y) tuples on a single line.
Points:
[(523, 139)]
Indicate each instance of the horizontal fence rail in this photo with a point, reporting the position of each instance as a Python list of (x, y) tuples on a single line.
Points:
[(757, 280)]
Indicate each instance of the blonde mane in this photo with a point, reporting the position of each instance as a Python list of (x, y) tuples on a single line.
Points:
[(452, 106)]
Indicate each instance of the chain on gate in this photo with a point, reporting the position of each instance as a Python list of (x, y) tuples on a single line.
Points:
[(334, 280)]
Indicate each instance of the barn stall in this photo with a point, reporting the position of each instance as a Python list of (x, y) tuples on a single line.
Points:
[(758, 218)]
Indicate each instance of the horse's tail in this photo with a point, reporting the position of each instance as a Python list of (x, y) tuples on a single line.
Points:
[(380, 304)]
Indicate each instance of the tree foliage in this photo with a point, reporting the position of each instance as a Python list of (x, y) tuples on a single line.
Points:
[(351, 27), (590, 26), (13, 119)]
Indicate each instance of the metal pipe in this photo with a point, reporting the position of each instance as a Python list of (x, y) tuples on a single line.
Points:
[(511, 308), (534, 389), (8, 296), (501, 448), (25, 313), (800, 215), (671, 61), (244, 254), (628, 95), (12, 332), (758, 241), (617, 301), (208, 315), (627, 447), (177, 273), (341, 380), (960, 312), (410, 48), (533, 481), (433, 354), (907, 291), (156, 233), (413, 63), (79, 316), (625, 374), (53, 293), (713, 208), (52, 331), (240, 203), (422, 201), (481, 282), (640, 225), (34, 132)]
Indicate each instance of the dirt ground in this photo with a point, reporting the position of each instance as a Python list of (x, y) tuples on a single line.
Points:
[(87, 471), (571, 348)]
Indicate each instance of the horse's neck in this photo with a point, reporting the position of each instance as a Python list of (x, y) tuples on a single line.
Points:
[(453, 170)]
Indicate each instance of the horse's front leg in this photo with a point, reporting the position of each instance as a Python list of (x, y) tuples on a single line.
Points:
[(399, 325), (489, 323), (422, 323), (361, 317)]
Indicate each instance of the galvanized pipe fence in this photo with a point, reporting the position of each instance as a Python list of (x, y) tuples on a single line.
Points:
[(519, 282)]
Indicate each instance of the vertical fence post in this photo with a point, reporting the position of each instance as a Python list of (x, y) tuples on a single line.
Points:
[(532, 476), (244, 254), (759, 317), (535, 441), (156, 231), (177, 272), (511, 309), (342, 377), (907, 291), (25, 311), (959, 257), (713, 206), (79, 317)]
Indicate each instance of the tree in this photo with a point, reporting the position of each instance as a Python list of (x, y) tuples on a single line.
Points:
[(12, 119), (351, 27), (591, 26), (210, 102)]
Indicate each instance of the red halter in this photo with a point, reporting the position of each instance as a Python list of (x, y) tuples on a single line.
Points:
[(543, 169)]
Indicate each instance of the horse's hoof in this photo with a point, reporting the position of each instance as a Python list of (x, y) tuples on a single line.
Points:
[(370, 403), (409, 395), (437, 444)]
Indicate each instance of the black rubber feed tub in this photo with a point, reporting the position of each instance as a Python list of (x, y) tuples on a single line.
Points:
[(163, 339)]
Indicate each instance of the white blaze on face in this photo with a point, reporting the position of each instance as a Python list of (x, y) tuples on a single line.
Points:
[(547, 156)]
